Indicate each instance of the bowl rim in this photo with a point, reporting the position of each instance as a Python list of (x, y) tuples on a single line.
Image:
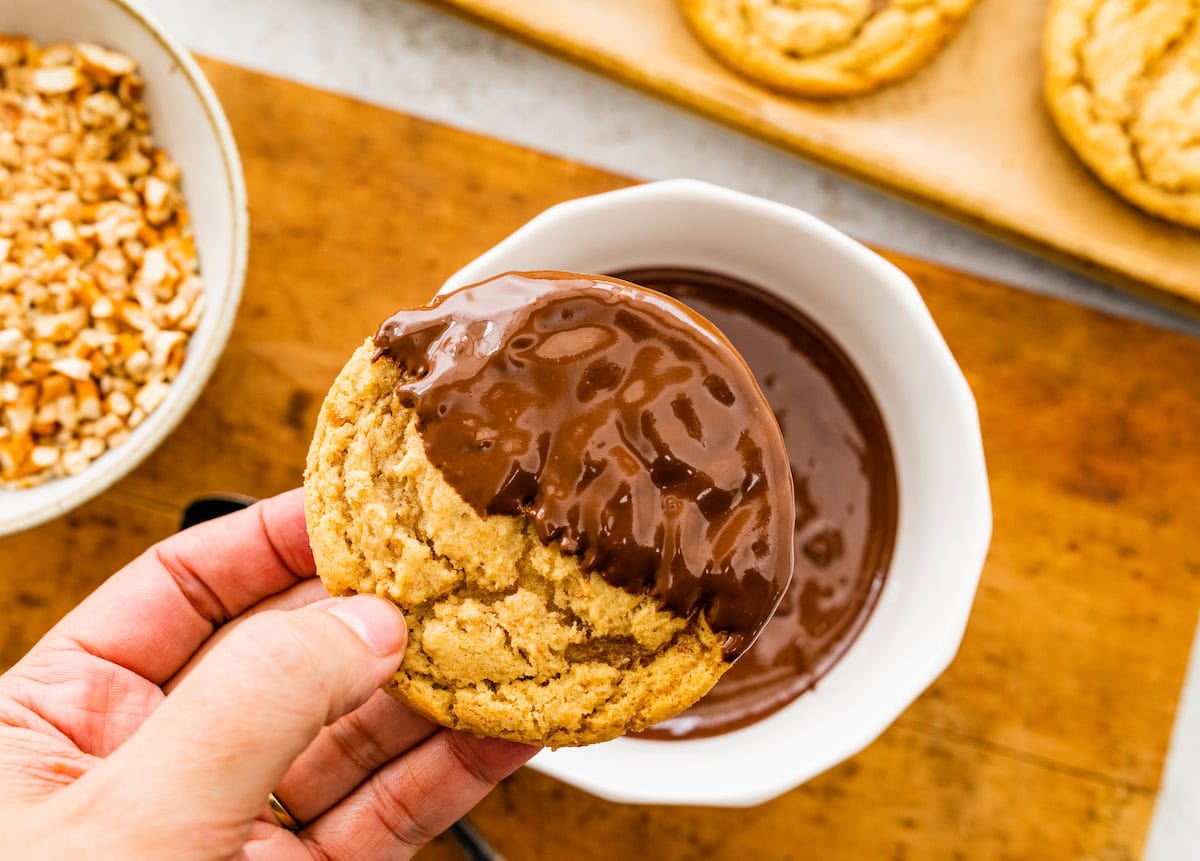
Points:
[(572, 765), (123, 459)]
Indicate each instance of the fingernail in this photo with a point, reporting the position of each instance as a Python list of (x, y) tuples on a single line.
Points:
[(377, 622)]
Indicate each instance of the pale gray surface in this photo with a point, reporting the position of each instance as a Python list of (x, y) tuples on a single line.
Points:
[(420, 60), (1175, 835), (415, 58)]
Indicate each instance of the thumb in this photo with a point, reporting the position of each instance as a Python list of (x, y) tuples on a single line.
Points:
[(212, 751)]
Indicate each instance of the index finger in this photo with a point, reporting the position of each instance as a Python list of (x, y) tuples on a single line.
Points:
[(154, 613)]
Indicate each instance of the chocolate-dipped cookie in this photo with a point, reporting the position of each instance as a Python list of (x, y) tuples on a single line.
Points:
[(575, 491)]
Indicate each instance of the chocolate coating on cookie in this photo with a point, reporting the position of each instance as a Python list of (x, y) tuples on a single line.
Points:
[(620, 423)]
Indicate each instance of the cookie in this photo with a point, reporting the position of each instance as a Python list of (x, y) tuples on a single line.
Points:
[(526, 476), (1122, 80), (824, 47)]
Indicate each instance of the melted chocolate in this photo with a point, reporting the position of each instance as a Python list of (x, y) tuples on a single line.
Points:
[(845, 494), (620, 423)]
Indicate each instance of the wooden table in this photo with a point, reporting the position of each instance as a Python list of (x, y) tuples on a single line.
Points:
[(1046, 737)]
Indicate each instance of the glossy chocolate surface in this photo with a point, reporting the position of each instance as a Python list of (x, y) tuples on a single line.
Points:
[(845, 495), (620, 423)]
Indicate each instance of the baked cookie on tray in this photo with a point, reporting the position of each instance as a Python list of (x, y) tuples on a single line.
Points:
[(824, 47), (1123, 85), (574, 490)]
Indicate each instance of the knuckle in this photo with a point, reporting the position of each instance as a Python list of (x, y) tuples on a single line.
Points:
[(397, 805), (317, 850), (358, 742), (467, 754), (195, 591)]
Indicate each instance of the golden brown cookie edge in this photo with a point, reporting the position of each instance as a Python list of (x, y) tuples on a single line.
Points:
[(1059, 70), (811, 80), (415, 693)]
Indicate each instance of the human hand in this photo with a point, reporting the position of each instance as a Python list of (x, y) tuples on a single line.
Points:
[(155, 718)]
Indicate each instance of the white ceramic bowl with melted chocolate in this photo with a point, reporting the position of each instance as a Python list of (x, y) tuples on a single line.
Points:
[(939, 524)]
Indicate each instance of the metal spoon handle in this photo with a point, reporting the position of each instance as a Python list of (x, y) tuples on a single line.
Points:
[(471, 842)]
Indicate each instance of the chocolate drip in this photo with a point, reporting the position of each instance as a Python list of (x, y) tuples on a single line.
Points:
[(620, 423), (845, 497)]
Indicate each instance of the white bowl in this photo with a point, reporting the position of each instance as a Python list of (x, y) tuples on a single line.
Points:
[(874, 312), (187, 121)]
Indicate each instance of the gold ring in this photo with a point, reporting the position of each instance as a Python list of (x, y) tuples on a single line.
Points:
[(286, 820)]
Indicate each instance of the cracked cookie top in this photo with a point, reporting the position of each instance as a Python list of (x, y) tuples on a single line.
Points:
[(824, 47), (1123, 85), (574, 490), (621, 424)]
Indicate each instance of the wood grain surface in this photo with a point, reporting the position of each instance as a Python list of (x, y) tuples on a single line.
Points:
[(1046, 737), (968, 136)]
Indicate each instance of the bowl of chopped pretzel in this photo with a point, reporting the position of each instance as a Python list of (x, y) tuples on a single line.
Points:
[(123, 239)]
